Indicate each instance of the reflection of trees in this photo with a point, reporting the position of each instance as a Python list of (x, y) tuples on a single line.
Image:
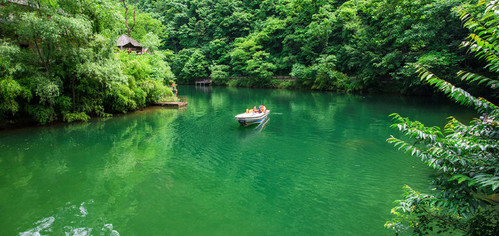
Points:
[(318, 152), (319, 148), (43, 170)]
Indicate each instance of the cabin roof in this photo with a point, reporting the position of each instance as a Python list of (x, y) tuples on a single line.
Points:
[(125, 39), (20, 2)]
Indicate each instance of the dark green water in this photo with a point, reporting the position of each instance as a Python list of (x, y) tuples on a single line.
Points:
[(320, 166)]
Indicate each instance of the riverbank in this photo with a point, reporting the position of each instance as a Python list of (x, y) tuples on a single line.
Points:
[(29, 123), (386, 86), (23, 122)]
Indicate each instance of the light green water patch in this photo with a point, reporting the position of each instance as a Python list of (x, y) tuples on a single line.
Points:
[(320, 166)]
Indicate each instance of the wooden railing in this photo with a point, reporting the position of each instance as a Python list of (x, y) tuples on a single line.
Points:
[(203, 82)]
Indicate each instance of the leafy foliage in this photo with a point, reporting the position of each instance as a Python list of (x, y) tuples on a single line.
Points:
[(219, 73), (67, 66), (466, 187), (374, 43), (348, 46)]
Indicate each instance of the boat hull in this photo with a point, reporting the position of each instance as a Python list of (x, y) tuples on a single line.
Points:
[(247, 119)]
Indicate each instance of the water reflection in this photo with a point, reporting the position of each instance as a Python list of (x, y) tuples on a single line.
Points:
[(205, 89), (321, 166), (247, 133), (105, 160), (72, 219), (262, 124)]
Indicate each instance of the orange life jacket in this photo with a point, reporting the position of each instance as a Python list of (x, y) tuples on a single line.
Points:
[(264, 109)]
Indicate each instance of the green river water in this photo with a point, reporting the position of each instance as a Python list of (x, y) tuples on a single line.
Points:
[(320, 166)]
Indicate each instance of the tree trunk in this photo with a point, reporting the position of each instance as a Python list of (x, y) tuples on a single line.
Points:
[(73, 81), (129, 29)]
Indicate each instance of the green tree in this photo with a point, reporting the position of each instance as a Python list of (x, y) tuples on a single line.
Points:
[(219, 74), (195, 67), (249, 59), (10, 90), (375, 42), (67, 68), (464, 197), (217, 51), (151, 41)]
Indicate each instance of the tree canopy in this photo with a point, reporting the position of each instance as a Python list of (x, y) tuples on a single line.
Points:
[(62, 62), (374, 43)]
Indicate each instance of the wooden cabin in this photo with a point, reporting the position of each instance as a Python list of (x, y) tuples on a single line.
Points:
[(124, 42), (19, 2)]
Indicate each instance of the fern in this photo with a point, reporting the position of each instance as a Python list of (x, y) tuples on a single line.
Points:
[(464, 155)]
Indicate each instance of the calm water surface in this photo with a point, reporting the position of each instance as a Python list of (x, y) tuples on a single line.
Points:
[(320, 166)]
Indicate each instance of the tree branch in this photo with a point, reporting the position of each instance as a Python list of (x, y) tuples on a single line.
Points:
[(126, 16), (449, 222), (129, 29)]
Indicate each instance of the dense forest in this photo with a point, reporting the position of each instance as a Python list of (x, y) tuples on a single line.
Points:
[(362, 45), (60, 59)]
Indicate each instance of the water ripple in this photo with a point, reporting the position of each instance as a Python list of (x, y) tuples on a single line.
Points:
[(319, 166), (68, 221)]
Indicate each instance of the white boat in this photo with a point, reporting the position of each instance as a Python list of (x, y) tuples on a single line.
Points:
[(249, 118)]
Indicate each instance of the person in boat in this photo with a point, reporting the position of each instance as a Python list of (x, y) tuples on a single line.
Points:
[(262, 108)]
